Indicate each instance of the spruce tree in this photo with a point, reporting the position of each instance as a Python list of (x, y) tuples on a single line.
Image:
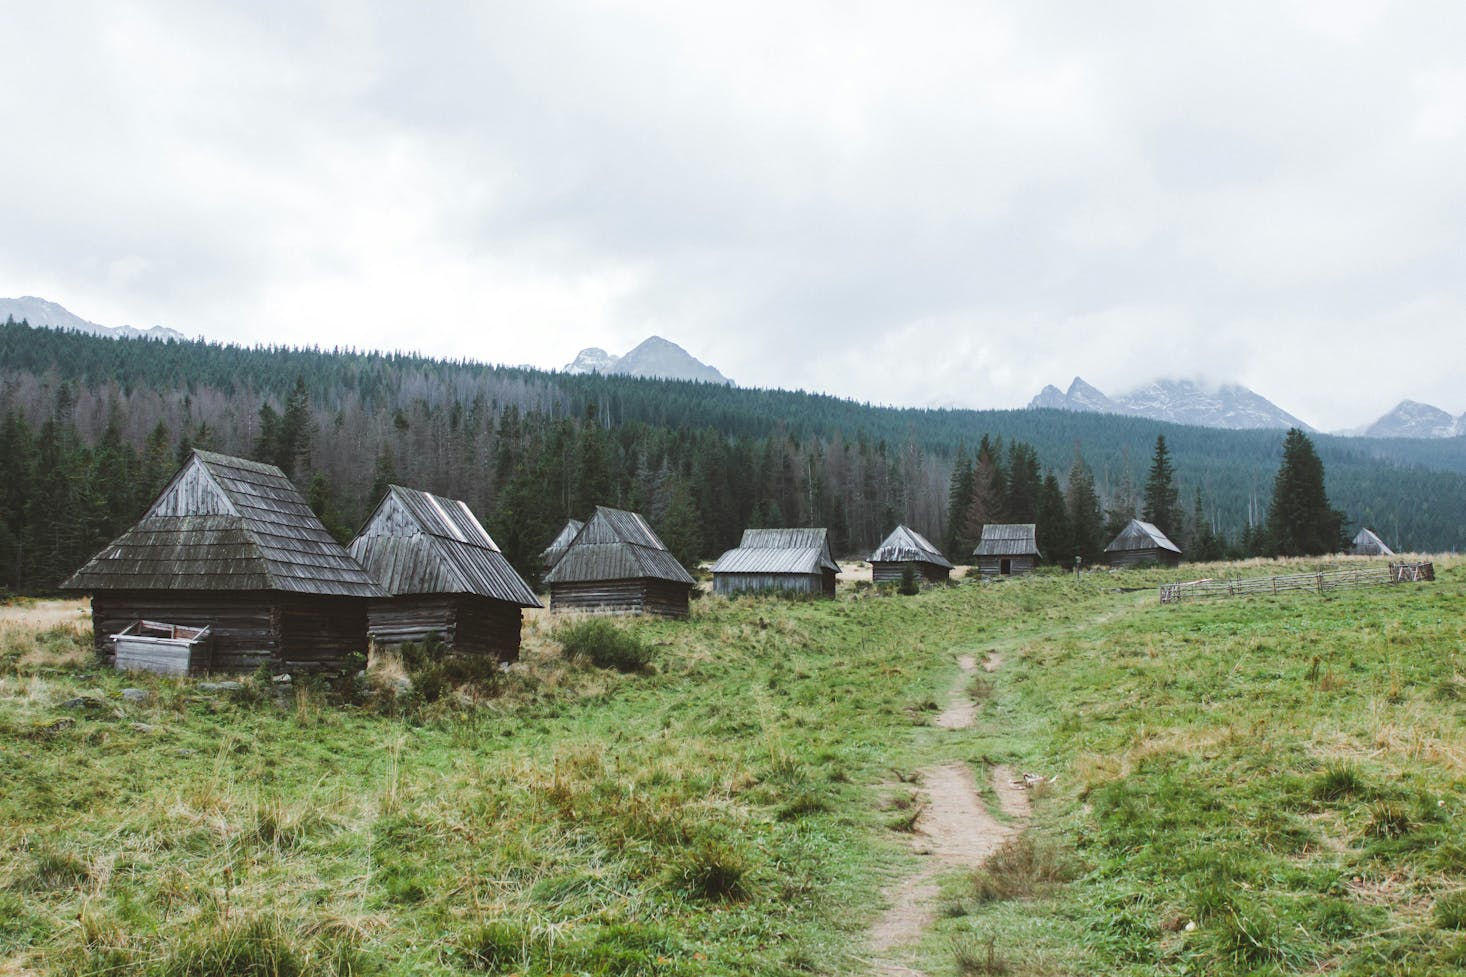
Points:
[(1086, 521), (1054, 536), (959, 499), (1162, 507), (1300, 521)]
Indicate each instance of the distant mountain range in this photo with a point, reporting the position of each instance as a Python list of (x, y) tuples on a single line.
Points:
[(1230, 406), (654, 357), (39, 312), (1412, 419)]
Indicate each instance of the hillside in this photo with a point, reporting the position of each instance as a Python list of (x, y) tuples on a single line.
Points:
[(1269, 785), (527, 449)]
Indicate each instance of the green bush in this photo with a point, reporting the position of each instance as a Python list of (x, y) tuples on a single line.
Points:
[(1450, 911), (604, 645)]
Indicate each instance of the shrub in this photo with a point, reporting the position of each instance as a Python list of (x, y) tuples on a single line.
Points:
[(1339, 779), (715, 871), (910, 582), (978, 958), (496, 946), (604, 645), (246, 947), (1024, 866), (1450, 911), (1390, 819)]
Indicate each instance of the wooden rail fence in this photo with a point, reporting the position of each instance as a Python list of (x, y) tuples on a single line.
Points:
[(1321, 582)]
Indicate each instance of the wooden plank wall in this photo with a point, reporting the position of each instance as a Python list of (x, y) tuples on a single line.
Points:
[(1130, 558), (640, 596), (890, 572), (992, 566), (318, 633), (245, 627), (797, 583)]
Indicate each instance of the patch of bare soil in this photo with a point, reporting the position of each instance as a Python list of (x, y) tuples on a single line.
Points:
[(961, 711), (955, 830)]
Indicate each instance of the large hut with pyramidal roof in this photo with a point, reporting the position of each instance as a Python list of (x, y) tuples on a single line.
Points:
[(617, 565), (907, 547), (231, 545), (447, 579), (796, 561), (1142, 542)]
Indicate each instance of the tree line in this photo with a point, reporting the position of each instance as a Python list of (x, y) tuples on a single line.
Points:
[(92, 428)]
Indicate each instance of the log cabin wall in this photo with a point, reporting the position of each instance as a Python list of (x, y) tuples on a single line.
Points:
[(638, 596), (245, 625), (886, 572)]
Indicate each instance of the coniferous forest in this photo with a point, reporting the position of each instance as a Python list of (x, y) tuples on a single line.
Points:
[(91, 428)]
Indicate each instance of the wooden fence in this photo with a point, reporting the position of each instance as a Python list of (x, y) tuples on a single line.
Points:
[(1321, 582)]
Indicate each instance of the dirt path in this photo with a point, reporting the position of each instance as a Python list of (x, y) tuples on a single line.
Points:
[(961, 711), (955, 830)]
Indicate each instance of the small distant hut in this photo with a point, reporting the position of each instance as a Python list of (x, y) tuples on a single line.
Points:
[(1142, 542), (1367, 543), (446, 577), (905, 546), (552, 553), (617, 565), (1007, 549), (231, 545), (793, 560)]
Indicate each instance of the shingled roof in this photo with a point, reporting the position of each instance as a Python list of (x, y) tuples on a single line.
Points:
[(1368, 543), (1012, 539), (227, 524), (779, 551), (1140, 535), (906, 545), (552, 553), (616, 545), (419, 543)]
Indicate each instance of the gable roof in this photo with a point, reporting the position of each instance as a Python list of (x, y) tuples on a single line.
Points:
[(906, 545), (616, 545), (1141, 536), (804, 550), (551, 554), (419, 543), (227, 523), (1010, 539), (1368, 543)]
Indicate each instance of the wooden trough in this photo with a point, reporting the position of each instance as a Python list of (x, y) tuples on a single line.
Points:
[(166, 649), (1320, 582)]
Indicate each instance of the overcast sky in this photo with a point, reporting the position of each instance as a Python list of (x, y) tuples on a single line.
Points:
[(905, 203)]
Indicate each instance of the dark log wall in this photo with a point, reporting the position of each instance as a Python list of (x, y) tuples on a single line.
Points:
[(398, 620), (318, 633), (289, 632), (244, 625), (469, 624), (641, 596), (992, 566), (488, 627), (798, 583), (1130, 558), (891, 572)]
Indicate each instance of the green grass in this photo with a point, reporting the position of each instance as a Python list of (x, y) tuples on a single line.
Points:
[(1271, 785)]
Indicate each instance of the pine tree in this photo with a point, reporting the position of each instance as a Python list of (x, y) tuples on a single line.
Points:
[(1162, 506), (1054, 537), (1020, 504), (959, 500), (1086, 521), (1300, 521)]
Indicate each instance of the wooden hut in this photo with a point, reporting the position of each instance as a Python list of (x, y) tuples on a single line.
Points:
[(617, 565), (232, 546), (552, 553), (1367, 543), (1008, 549), (446, 577), (905, 546), (1141, 542), (792, 560)]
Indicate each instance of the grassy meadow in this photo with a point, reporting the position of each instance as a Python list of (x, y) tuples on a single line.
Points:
[(1271, 785)]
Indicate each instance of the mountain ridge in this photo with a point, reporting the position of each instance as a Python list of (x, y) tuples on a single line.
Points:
[(653, 357), (52, 315), (1229, 406)]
